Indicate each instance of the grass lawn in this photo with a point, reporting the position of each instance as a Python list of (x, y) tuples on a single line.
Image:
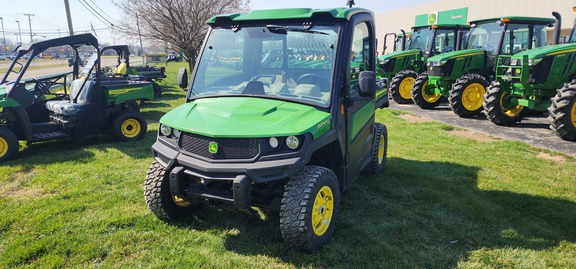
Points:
[(448, 198)]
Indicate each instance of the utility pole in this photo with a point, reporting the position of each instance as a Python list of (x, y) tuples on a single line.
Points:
[(67, 5), (19, 32), (29, 24), (140, 37), (3, 35)]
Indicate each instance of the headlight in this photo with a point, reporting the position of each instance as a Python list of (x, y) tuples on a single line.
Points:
[(292, 142), (436, 63), (385, 61), (273, 141), (533, 62), (515, 62), (176, 133), (165, 130)]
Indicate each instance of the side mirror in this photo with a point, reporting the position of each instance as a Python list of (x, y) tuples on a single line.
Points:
[(367, 84), (183, 78)]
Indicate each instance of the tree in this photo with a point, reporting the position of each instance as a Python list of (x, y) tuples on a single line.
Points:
[(181, 24)]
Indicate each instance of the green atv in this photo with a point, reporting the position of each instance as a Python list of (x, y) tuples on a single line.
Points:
[(402, 67), (276, 117), (539, 79), (463, 76), (124, 70), (75, 105)]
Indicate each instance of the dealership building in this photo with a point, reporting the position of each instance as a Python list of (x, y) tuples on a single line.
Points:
[(393, 21)]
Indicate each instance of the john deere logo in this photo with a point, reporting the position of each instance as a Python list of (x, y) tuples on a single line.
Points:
[(433, 18), (213, 147)]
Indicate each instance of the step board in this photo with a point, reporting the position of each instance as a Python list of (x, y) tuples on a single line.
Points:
[(49, 135)]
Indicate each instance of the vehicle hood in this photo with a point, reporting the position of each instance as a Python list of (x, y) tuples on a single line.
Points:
[(455, 55), (247, 117), (398, 54), (551, 50)]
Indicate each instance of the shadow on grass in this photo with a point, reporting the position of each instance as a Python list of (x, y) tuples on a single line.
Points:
[(417, 214)]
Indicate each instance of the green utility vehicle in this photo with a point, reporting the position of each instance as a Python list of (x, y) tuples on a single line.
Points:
[(75, 105), (539, 79), (433, 34), (464, 75), (277, 117), (124, 70)]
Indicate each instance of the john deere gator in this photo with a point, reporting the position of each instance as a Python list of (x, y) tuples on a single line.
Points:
[(432, 34), (539, 79), (464, 75)]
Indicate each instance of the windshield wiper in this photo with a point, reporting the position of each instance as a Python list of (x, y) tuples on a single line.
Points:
[(284, 29)]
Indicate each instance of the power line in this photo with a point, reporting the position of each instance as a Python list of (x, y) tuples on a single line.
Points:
[(94, 12), (103, 11)]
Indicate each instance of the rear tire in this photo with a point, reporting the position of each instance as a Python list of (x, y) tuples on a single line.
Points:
[(379, 150), (401, 86), (496, 107), (8, 144), (467, 95), (159, 199), (128, 126), (562, 116), (421, 95), (309, 208)]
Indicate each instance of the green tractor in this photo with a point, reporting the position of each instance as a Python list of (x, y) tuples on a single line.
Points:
[(279, 115), (463, 76), (538, 80), (401, 41), (76, 105), (427, 40)]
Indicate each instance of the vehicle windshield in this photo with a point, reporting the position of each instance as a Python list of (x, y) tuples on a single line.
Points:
[(517, 37), (421, 39), (286, 62), (444, 41), (398, 44)]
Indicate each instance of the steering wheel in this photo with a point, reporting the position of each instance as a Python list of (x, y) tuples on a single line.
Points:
[(40, 88), (315, 79)]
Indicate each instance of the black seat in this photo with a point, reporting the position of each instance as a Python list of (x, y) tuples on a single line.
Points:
[(68, 107), (254, 87)]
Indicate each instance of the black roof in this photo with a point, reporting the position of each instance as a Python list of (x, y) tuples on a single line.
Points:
[(73, 40)]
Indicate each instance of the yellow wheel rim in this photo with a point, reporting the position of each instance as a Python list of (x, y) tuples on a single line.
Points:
[(381, 150), (473, 96), (405, 88), (138, 102), (572, 115), (322, 210), (130, 128), (430, 98), (180, 202), (3, 146), (508, 110)]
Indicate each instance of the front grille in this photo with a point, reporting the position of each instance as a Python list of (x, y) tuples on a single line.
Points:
[(228, 148), (435, 71)]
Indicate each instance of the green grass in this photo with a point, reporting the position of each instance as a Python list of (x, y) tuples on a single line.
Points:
[(444, 200)]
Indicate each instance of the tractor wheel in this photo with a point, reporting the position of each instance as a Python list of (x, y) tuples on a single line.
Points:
[(128, 125), (562, 112), (379, 150), (421, 93), (8, 144), (309, 208), (401, 86), (157, 90), (467, 95), (497, 108), (159, 199)]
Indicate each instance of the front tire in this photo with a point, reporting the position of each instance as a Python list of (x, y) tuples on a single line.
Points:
[(562, 116), (379, 150), (497, 108), (8, 144), (422, 95), (309, 208), (467, 95), (158, 197), (129, 125), (401, 86)]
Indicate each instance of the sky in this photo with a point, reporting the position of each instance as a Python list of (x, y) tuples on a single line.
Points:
[(49, 19)]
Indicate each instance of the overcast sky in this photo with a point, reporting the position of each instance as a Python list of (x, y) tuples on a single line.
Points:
[(49, 19)]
